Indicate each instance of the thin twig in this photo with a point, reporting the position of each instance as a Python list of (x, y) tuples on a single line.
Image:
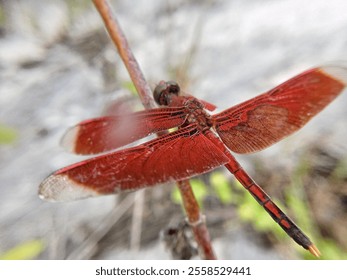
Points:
[(196, 220), (136, 223), (142, 87), (125, 53)]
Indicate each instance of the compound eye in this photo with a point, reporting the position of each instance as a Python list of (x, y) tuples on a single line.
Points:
[(164, 90), (158, 93), (173, 87)]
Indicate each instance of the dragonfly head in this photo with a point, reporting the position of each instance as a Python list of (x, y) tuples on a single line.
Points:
[(165, 91)]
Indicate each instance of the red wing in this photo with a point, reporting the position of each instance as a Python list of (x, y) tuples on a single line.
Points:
[(175, 156), (262, 121), (207, 105), (106, 133)]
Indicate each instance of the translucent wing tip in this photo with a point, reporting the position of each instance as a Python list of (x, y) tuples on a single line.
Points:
[(68, 141), (336, 72), (62, 188)]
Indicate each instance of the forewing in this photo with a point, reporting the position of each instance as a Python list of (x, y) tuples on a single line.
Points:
[(264, 120), (175, 156), (110, 132)]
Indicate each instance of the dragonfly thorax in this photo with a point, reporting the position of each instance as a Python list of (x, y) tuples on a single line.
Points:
[(196, 114), (168, 94)]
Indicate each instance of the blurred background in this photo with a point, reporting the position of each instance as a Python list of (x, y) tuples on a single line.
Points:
[(58, 67)]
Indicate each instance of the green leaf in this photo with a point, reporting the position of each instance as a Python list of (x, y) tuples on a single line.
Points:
[(340, 172), (129, 85), (297, 202), (222, 187), (176, 196), (7, 134), (301, 212), (24, 251), (331, 250), (199, 189), (2, 16), (250, 211)]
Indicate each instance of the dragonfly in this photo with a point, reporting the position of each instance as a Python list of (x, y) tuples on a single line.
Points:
[(197, 142)]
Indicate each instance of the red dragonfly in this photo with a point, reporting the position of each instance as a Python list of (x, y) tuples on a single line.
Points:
[(200, 143)]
